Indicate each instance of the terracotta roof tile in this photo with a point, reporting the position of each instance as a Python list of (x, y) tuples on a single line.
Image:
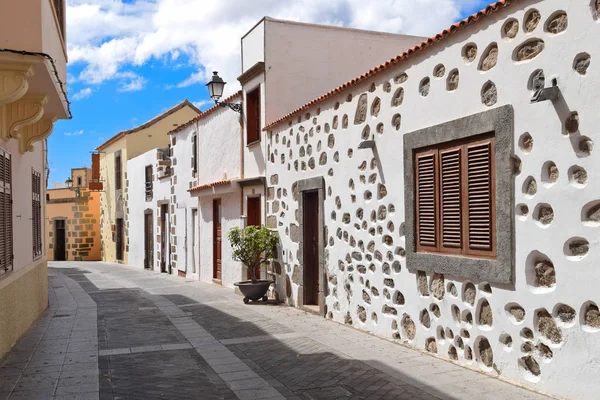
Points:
[(205, 113), (420, 47), (209, 185)]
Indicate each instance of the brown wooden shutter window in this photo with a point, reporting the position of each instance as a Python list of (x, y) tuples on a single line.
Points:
[(455, 198), (253, 116)]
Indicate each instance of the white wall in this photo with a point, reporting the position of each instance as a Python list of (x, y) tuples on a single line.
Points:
[(22, 164), (304, 61), (137, 205), (253, 47), (219, 146), (576, 357), (183, 179), (230, 206)]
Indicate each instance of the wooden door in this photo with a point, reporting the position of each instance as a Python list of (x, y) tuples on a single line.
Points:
[(217, 239), (311, 247), (195, 248), (148, 242), (253, 217), (119, 240), (164, 231), (59, 245)]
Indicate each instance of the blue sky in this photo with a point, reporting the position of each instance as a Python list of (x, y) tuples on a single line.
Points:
[(132, 59)]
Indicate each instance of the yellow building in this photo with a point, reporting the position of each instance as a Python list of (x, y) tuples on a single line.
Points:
[(114, 154), (33, 96), (73, 219)]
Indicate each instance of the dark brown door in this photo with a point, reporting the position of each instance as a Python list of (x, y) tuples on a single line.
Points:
[(148, 242), (253, 218), (164, 231), (217, 239), (119, 239), (59, 247), (311, 247)]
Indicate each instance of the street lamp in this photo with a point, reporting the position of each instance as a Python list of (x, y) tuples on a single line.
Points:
[(215, 91), (69, 183)]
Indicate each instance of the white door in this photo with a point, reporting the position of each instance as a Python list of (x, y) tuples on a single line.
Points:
[(195, 248)]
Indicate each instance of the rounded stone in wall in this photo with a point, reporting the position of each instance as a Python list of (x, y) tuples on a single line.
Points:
[(585, 147), (515, 313), (510, 29), (489, 94), (531, 20), (530, 369), (397, 121), (469, 293), (431, 345), (435, 310), (400, 78), (590, 317), (578, 176), (452, 354), (572, 123), (582, 63), (506, 340), (439, 71), (540, 273), (453, 80), (398, 97), (483, 351), (528, 50), (452, 290), (549, 174), (565, 315), (489, 58), (422, 284), (425, 319), (530, 187), (576, 248), (546, 326), (469, 52), (437, 286), (455, 313), (468, 353), (467, 318), (345, 121), (458, 341), (424, 87), (557, 23), (484, 314), (590, 214), (387, 87)]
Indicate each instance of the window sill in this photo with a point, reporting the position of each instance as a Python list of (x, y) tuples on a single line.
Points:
[(252, 144)]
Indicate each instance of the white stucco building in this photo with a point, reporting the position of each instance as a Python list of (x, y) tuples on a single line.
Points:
[(443, 199)]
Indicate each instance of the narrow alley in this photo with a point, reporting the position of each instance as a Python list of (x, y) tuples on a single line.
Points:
[(116, 332)]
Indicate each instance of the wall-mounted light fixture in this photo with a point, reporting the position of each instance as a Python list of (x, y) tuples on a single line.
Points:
[(69, 183), (215, 91), (367, 144), (546, 93)]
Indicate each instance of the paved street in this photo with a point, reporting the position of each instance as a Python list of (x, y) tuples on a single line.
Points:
[(115, 332)]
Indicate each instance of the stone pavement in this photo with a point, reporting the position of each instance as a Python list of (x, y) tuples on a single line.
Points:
[(117, 332)]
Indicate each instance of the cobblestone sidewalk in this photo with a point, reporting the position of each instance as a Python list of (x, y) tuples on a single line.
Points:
[(116, 332)]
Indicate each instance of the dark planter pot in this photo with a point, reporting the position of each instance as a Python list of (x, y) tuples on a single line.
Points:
[(254, 291)]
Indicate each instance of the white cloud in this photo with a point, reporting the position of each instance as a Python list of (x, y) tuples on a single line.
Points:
[(76, 133), (130, 82), (202, 103), (108, 36), (82, 94)]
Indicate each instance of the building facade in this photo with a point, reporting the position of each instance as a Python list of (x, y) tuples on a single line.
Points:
[(32, 97), (73, 220), (448, 199), (114, 154)]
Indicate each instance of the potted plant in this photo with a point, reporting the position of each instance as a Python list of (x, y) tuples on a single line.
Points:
[(253, 246)]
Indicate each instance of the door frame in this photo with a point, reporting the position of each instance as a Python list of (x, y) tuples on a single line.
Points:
[(164, 237), (249, 198), (215, 215), (119, 238), (316, 184), (195, 222), (55, 241), (148, 239)]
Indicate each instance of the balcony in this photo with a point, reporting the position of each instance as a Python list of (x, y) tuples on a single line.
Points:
[(32, 69)]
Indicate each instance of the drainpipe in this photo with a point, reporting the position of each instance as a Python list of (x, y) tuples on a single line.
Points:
[(242, 159)]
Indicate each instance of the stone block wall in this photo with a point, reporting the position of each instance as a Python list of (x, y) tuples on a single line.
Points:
[(543, 328)]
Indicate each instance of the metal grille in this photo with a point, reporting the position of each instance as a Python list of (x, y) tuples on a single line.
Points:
[(36, 213), (327, 393), (6, 234)]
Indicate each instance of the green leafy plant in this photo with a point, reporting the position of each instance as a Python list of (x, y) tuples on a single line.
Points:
[(253, 246)]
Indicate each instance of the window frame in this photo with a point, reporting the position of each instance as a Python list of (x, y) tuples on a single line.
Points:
[(148, 183), (118, 172), (6, 187), (253, 107), (36, 214), (438, 150), (194, 153), (500, 121)]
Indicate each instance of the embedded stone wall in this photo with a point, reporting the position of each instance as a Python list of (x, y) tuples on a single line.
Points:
[(543, 329)]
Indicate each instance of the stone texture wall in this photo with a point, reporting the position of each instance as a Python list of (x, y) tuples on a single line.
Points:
[(542, 330), (82, 224)]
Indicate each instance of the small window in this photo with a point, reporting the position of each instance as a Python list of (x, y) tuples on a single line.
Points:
[(36, 213), (455, 204), (148, 183), (253, 115), (195, 153), (78, 181), (118, 174)]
